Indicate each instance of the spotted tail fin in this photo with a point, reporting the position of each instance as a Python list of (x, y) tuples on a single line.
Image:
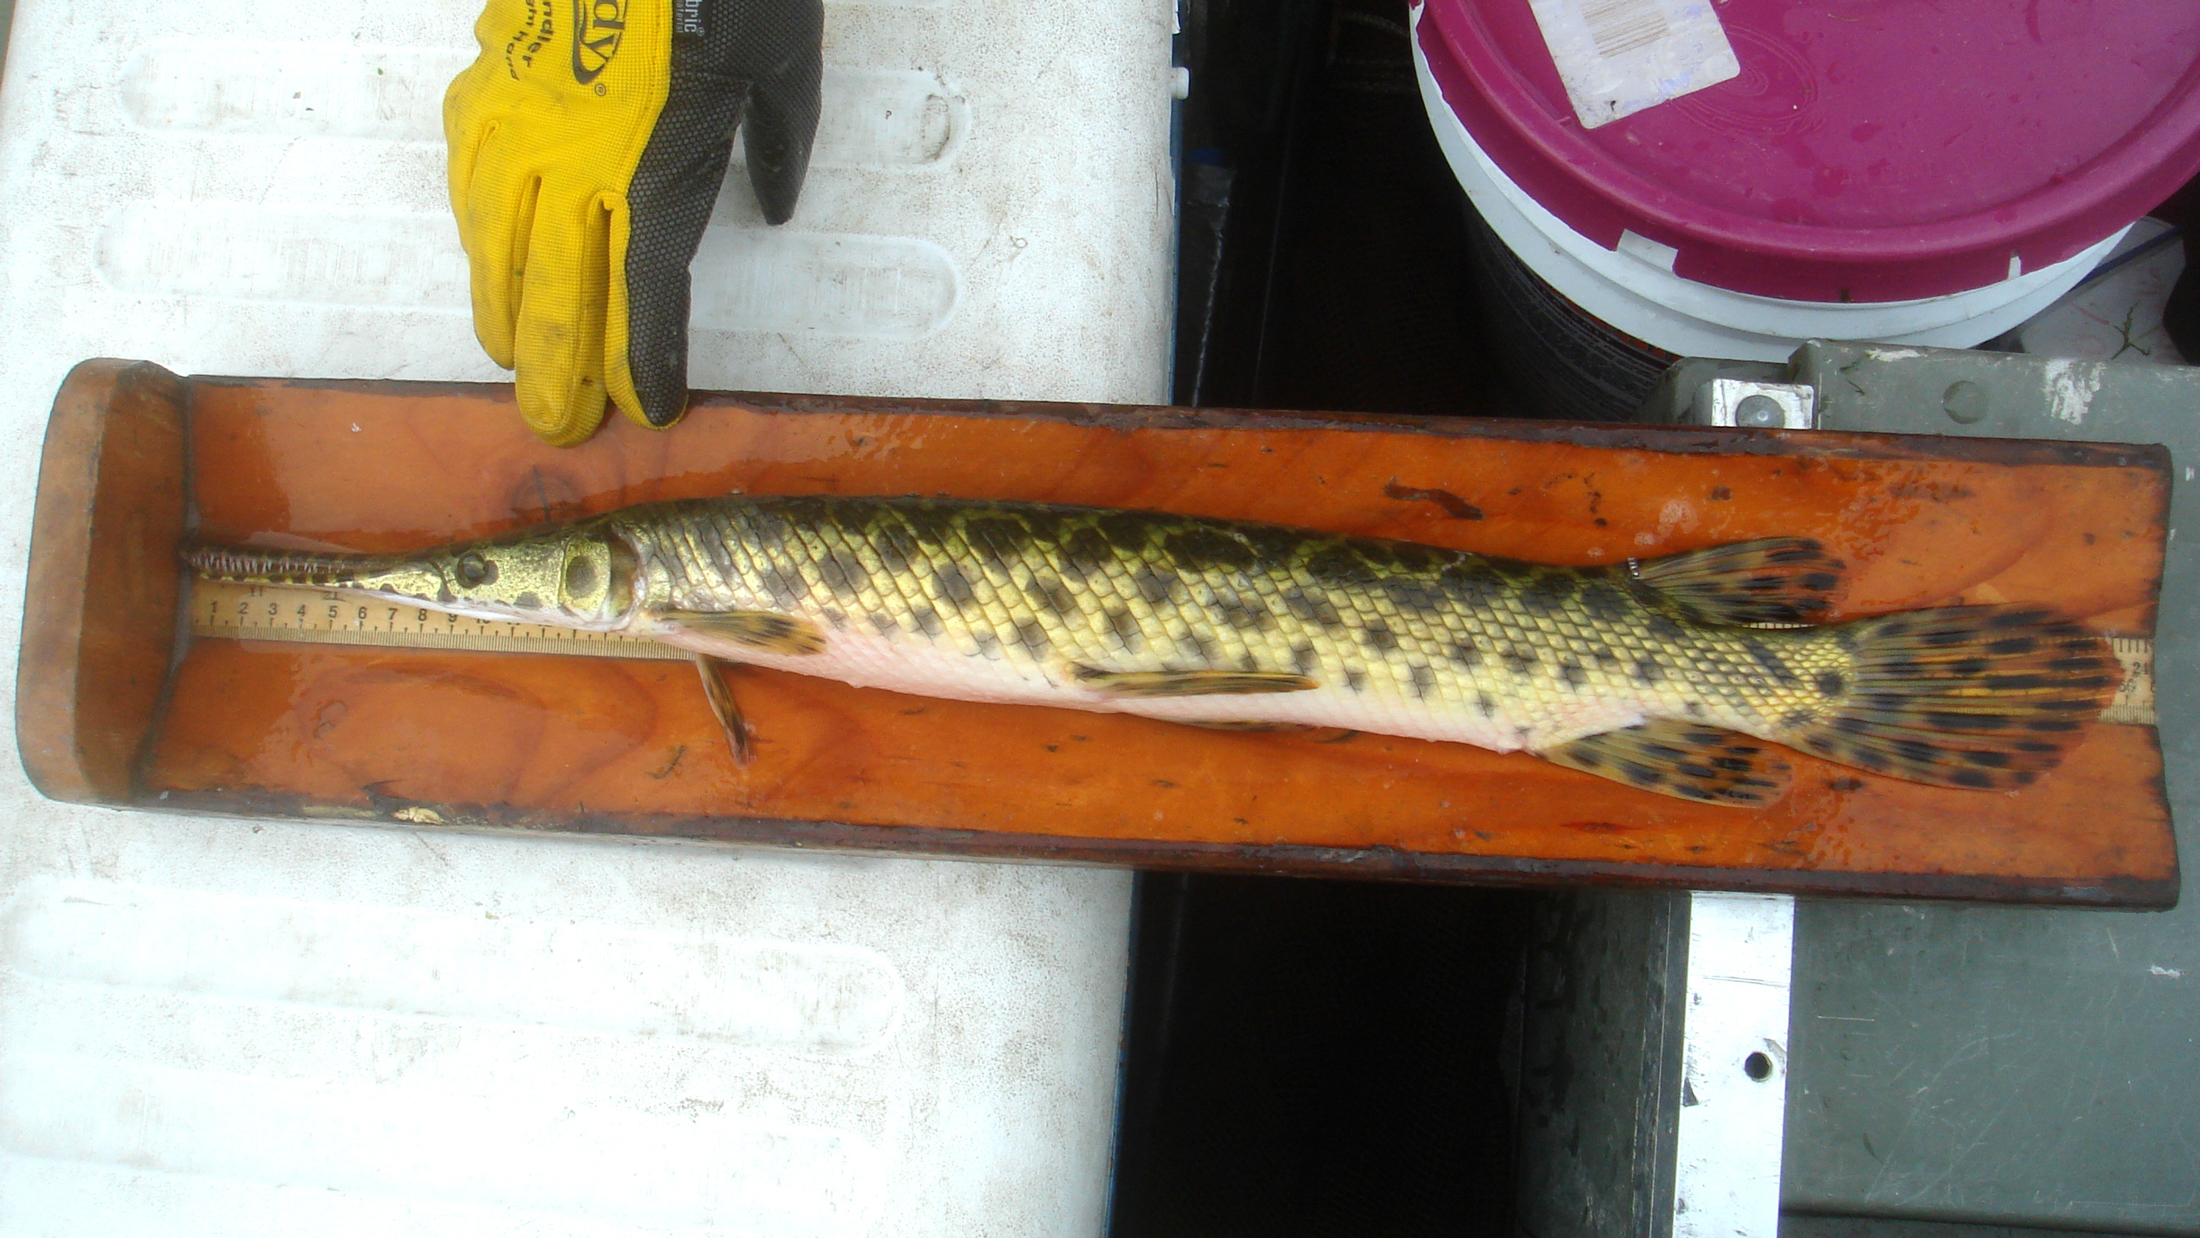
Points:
[(1968, 696)]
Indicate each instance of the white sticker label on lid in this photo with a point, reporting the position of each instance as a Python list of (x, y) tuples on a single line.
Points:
[(1618, 57)]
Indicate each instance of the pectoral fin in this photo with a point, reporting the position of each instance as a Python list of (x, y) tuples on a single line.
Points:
[(1703, 763), (1189, 683), (762, 630), (726, 710)]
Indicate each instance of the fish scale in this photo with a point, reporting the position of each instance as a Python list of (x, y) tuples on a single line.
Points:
[(1651, 673)]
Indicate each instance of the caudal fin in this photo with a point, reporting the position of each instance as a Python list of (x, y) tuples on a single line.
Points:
[(1968, 696)]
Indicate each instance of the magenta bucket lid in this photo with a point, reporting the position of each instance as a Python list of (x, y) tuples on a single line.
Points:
[(1888, 151)]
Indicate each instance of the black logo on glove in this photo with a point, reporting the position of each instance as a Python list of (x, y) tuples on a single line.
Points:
[(597, 25)]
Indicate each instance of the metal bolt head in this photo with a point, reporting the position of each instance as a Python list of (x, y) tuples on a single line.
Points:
[(1759, 412)]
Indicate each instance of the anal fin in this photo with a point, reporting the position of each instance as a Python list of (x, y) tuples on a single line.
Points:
[(1189, 683), (762, 630), (1702, 763), (726, 710)]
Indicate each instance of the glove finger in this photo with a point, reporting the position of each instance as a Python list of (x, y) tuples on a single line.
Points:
[(496, 223), (669, 203), (783, 107), (558, 332)]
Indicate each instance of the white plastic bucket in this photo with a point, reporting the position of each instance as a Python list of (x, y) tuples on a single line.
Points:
[(1634, 290)]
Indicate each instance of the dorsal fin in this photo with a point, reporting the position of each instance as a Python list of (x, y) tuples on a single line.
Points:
[(1770, 580)]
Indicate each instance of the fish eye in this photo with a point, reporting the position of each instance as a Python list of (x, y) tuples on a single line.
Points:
[(580, 577), (474, 570)]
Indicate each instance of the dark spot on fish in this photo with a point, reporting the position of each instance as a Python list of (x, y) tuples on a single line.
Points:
[(530, 600), (953, 585), (1157, 586), (1648, 671), (1572, 674), (1663, 626), (1246, 615), (1844, 639), (1337, 564), (1086, 550), (1548, 591), (1694, 708), (1379, 636), (1197, 646), (1587, 757), (1053, 595), (1819, 582), (1200, 546), (767, 531), (2009, 646), (1414, 595), (932, 523), (1795, 718), (1603, 602), (784, 586), (713, 540), (1977, 780), (927, 620), (1303, 659), (1830, 683), (843, 571), (1466, 655), (837, 619), (1124, 627), (1355, 679), (1424, 681), (1519, 661), (1483, 703), (1769, 660), (1871, 759), (1032, 635), (998, 538), (1470, 581), (885, 623), (897, 546), (989, 645), (1640, 775), (2015, 683), (1819, 744)]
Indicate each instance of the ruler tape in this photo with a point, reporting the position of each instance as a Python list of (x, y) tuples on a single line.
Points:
[(323, 616)]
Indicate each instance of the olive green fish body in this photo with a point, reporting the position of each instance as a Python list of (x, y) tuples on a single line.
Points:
[(1643, 672)]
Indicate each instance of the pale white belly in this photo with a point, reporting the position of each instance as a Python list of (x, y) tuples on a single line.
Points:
[(921, 668)]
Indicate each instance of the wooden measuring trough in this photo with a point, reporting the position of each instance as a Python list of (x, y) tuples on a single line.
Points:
[(116, 705)]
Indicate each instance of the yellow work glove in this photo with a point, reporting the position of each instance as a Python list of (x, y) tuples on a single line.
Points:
[(587, 144)]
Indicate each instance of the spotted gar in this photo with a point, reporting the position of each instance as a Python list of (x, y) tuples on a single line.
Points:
[(1663, 673)]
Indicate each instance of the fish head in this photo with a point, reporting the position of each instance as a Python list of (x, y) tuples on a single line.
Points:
[(570, 576), (579, 576)]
